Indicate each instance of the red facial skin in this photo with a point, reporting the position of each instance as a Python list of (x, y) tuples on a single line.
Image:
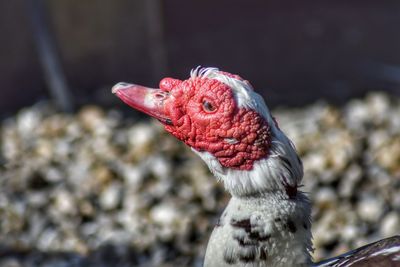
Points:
[(205, 116)]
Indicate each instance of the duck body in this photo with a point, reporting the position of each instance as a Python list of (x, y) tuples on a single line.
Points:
[(267, 230), (224, 121)]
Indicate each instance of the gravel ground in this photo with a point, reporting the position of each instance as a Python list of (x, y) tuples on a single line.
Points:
[(97, 189)]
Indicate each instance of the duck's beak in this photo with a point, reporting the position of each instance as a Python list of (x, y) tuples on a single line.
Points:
[(145, 99)]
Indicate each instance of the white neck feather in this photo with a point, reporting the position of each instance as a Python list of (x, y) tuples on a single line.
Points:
[(282, 167)]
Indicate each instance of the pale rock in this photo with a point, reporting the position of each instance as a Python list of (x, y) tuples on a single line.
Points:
[(356, 114), (160, 167), (326, 231), (160, 189), (376, 139), (110, 197), (388, 156), (370, 208), (48, 240), (351, 177), (349, 233), (89, 228), (378, 176), (11, 146), (44, 149), (133, 175), (91, 117), (65, 202), (140, 138), (394, 120), (10, 262), (62, 149), (73, 130), (314, 162), (165, 214), (53, 174), (378, 104), (27, 122), (390, 224), (325, 198), (328, 176), (395, 200), (37, 199)]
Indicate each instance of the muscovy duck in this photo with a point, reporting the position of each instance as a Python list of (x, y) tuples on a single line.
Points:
[(224, 121)]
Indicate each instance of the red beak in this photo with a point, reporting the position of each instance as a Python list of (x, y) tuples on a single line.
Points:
[(145, 99)]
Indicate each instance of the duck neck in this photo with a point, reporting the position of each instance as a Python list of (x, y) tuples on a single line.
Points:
[(278, 224)]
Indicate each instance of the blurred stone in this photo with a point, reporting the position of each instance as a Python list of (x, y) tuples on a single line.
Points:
[(357, 114), (111, 196), (133, 175), (102, 175), (141, 137), (91, 117), (86, 208), (349, 233), (27, 122), (314, 162), (11, 145), (44, 149), (160, 167), (323, 232), (53, 174), (165, 214), (390, 224), (370, 208), (351, 177), (389, 155), (10, 263), (37, 199), (48, 240), (378, 106), (396, 200), (65, 202), (325, 198)]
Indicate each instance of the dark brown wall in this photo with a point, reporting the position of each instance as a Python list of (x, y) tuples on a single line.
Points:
[(19, 75), (301, 50), (296, 51)]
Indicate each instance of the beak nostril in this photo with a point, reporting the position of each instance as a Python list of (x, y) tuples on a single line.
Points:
[(159, 96)]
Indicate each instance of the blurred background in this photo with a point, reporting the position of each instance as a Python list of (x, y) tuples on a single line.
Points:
[(300, 52), (84, 184)]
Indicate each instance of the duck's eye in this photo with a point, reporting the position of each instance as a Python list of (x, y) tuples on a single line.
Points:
[(208, 106)]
